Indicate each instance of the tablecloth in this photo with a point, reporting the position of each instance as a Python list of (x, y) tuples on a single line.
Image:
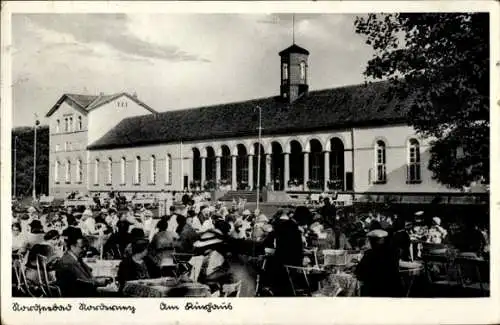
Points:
[(107, 268), (164, 287)]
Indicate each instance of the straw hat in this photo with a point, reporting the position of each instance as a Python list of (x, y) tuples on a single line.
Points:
[(419, 213), (208, 238), (88, 213), (261, 219), (436, 220), (247, 212), (148, 213), (377, 233), (31, 210)]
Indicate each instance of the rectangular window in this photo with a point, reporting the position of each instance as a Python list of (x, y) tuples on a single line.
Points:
[(413, 168), (152, 170), (380, 163), (137, 176), (96, 172), (68, 172), (58, 147), (56, 172), (123, 163), (110, 171), (168, 169)]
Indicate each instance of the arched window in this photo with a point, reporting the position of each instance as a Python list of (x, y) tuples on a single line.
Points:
[(110, 171), (302, 71), (68, 171), (80, 123), (152, 170), (137, 175), (284, 72), (168, 169), (413, 175), (123, 163), (66, 124), (380, 162), (57, 166), (96, 172), (79, 171), (71, 124), (58, 126)]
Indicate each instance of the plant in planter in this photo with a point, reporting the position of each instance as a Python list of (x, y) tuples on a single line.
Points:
[(294, 182), (210, 185), (314, 184), (334, 184), (195, 184), (243, 185)]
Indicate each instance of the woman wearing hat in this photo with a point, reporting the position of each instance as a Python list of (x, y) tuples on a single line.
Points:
[(378, 270), (209, 262), (137, 265), (162, 244), (36, 234)]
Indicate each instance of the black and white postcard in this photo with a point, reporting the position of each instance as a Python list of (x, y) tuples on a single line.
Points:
[(240, 162)]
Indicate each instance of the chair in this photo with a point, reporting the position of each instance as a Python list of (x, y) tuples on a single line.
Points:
[(474, 274), (48, 287), (314, 252), (299, 281), (408, 278), (25, 288), (182, 262), (228, 290), (18, 286)]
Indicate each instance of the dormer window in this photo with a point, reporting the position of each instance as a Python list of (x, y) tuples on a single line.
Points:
[(58, 126), (285, 71)]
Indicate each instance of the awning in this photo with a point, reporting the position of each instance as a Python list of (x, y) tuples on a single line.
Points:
[(416, 199)]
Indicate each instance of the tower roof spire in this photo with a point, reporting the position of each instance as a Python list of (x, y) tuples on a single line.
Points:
[(293, 28)]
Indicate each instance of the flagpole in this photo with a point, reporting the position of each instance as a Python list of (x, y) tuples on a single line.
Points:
[(34, 159), (15, 166), (258, 156)]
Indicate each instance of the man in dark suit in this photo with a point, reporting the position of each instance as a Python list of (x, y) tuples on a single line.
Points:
[(74, 277)]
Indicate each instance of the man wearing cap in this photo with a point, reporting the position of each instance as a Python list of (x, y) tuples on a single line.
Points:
[(378, 270)]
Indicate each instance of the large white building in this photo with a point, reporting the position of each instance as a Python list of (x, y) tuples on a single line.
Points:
[(351, 138)]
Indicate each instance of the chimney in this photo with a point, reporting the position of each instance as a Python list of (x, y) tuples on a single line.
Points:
[(134, 94)]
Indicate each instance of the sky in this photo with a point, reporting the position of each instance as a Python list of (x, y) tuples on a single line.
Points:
[(174, 61)]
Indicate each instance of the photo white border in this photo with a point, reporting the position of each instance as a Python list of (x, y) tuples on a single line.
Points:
[(256, 310)]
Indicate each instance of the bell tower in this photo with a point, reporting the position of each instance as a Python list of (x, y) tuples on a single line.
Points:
[(294, 73)]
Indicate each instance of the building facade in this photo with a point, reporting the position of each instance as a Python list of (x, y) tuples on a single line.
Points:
[(343, 139), (75, 122)]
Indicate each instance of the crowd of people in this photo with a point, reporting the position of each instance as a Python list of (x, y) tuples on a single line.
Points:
[(220, 238)]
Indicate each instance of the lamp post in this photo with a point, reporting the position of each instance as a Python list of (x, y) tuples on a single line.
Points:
[(15, 167), (258, 156), (37, 122)]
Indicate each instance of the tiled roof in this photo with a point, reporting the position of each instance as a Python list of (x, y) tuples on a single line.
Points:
[(294, 49), (82, 100), (338, 108), (89, 102)]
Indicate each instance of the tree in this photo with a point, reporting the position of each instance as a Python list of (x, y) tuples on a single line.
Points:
[(440, 60), (24, 160)]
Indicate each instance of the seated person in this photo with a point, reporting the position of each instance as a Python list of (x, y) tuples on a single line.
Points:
[(138, 265), (74, 277), (210, 266)]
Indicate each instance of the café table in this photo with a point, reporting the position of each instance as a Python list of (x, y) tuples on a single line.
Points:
[(340, 283), (164, 287), (409, 271), (103, 268)]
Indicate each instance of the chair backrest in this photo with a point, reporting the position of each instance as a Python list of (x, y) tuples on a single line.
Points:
[(16, 269), (298, 279), (335, 257), (181, 257), (231, 290)]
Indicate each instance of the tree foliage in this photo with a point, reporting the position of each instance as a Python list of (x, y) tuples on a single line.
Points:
[(440, 60), (22, 154)]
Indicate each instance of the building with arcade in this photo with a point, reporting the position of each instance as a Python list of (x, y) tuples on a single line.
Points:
[(347, 139)]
